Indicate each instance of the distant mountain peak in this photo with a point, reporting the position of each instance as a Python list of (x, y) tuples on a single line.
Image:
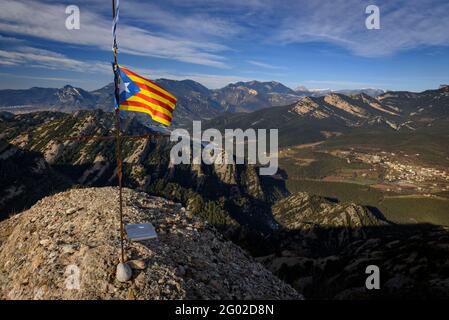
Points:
[(68, 89), (69, 96), (301, 89)]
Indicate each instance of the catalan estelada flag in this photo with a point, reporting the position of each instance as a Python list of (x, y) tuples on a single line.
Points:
[(142, 95)]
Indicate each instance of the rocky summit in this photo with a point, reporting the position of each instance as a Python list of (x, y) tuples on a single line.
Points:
[(67, 247)]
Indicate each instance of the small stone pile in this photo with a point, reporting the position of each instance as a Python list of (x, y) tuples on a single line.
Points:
[(67, 246)]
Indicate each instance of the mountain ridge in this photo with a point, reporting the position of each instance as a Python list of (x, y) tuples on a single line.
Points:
[(195, 101), (314, 119)]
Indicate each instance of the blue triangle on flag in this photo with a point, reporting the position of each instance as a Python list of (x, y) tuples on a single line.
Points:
[(127, 88)]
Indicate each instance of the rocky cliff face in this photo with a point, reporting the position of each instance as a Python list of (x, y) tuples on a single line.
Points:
[(75, 233), (225, 194), (353, 111)]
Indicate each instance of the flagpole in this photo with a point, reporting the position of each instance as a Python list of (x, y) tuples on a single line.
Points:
[(118, 142)]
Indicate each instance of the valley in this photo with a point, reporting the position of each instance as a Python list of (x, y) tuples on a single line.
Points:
[(404, 193), (389, 152)]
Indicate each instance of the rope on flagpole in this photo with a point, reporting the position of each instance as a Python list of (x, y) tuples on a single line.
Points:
[(115, 16)]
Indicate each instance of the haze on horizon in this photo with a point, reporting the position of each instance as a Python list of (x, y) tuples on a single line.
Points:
[(319, 44)]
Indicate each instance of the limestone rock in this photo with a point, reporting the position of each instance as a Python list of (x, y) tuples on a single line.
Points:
[(48, 254)]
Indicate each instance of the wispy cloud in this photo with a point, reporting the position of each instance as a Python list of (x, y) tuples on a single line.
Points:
[(265, 65), (404, 25), (194, 25), (56, 79), (47, 21), (29, 56), (219, 41), (9, 40)]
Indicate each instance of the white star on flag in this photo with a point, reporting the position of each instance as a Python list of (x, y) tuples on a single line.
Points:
[(123, 86)]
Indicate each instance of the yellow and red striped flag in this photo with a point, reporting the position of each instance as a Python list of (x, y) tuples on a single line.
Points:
[(142, 95)]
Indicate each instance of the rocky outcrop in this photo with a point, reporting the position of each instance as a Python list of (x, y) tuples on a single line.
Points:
[(341, 102), (67, 247), (354, 110), (318, 219), (304, 211), (307, 106)]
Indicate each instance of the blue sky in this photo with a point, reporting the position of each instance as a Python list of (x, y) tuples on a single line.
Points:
[(318, 44)]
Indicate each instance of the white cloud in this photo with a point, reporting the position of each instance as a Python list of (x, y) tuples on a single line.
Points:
[(68, 80), (10, 40), (197, 31), (29, 56), (265, 65), (193, 30), (404, 25), (47, 21), (195, 25)]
